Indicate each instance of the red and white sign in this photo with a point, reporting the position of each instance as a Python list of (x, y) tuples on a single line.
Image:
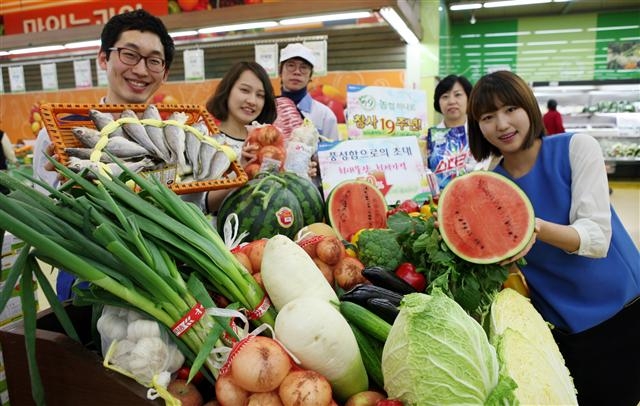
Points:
[(66, 14)]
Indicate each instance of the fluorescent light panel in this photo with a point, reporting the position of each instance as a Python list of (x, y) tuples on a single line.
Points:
[(237, 27), (465, 6), (82, 44), (179, 34), (399, 25), (326, 17), (36, 50), (510, 3)]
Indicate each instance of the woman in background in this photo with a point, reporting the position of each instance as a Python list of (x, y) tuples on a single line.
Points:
[(583, 270), (450, 100), (244, 95)]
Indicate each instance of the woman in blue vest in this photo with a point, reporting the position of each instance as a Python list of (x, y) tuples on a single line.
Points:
[(583, 269)]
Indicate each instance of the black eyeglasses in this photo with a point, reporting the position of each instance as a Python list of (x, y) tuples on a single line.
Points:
[(132, 58), (291, 66)]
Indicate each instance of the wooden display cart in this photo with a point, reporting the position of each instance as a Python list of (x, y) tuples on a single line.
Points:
[(72, 374)]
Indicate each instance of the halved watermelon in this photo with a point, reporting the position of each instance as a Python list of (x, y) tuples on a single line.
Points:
[(484, 217), (353, 205)]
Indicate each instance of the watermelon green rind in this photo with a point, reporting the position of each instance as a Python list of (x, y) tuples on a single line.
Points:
[(309, 197), (484, 217), (353, 205), (257, 209)]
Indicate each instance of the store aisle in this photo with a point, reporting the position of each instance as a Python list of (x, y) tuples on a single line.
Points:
[(625, 198)]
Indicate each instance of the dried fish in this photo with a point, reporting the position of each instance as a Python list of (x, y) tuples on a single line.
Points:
[(192, 149), (175, 138), (156, 134), (85, 153), (119, 146), (205, 157), (78, 165), (135, 130), (101, 120), (219, 165)]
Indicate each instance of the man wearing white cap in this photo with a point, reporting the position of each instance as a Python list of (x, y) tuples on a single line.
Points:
[(296, 68)]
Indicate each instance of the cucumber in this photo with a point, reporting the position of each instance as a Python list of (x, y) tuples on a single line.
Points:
[(370, 323), (371, 354)]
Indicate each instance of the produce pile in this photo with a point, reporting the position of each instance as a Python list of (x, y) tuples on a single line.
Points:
[(377, 307)]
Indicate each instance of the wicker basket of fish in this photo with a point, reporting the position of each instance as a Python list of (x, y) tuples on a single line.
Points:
[(179, 144)]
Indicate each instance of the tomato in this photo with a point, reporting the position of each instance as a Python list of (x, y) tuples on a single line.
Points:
[(183, 373), (409, 206), (407, 271)]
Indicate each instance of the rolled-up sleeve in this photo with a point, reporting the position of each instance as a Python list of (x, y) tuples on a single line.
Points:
[(590, 213)]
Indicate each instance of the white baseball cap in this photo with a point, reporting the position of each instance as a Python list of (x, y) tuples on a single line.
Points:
[(297, 50)]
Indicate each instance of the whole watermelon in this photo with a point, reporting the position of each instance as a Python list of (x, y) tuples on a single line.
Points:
[(272, 203)]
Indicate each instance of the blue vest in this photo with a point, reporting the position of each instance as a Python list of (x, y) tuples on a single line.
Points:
[(573, 292)]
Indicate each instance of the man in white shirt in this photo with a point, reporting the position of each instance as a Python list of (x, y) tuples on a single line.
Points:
[(296, 69), (136, 51)]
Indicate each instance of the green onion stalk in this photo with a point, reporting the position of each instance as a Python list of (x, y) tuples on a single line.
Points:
[(126, 245), (102, 259)]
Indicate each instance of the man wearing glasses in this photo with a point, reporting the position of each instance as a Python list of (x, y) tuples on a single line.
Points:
[(136, 51), (296, 69)]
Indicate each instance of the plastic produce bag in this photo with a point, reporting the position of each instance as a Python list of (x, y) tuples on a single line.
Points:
[(136, 346)]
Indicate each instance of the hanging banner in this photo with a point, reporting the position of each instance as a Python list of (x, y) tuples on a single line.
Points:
[(394, 164), (319, 49), (375, 111), (37, 16), (193, 64), (16, 79), (267, 57), (82, 73), (102, 75), (49, 75)]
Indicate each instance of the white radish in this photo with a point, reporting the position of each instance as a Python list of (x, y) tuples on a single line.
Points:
[(288, 273), (315, 332)]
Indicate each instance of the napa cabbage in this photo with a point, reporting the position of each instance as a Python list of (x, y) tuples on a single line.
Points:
[(528, 352), (436, 354)]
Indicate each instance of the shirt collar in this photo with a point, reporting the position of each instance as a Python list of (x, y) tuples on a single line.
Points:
[(305, 103)]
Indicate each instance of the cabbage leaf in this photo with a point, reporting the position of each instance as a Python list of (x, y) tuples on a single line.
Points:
[(436, 354), (528, 352)]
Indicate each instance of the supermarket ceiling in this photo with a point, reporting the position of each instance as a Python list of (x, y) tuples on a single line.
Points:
[(554, 8)]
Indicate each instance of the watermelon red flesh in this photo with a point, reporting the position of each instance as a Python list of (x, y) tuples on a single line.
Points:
[(484, 217), (353, 205)]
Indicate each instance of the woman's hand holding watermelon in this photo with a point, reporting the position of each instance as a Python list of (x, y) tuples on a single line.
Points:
[(525, 250)]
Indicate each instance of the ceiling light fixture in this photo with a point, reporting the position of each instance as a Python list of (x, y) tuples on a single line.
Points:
[(398, 24), (178, 34), (509, 3), (238, 27), (36, 50), (83, 44), (472, 20), (465, 6), (326, 17)]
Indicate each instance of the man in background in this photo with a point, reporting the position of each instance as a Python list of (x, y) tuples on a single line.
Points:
[(296, 69), (553, 119)]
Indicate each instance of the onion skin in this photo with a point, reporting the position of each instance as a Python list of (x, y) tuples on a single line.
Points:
[(228, 393), (260, 365), (330, 250), (305, 388), (264, 399)]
